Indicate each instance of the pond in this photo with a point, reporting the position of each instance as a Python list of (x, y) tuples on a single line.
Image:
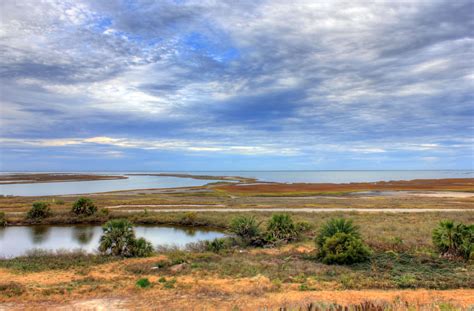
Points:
[(18, 240)]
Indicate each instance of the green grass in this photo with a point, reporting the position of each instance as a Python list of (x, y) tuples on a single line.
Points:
[(143, 283)]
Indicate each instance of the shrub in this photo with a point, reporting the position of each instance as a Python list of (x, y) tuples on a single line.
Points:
[(143, 283), (39, 210), (246, 228), (119, 239), (142, 248), (84, 206), (281, 228), (343, 248), (336, 225), (216, 245), (103, 212), (11, 289), (189, 218), (454, 239), (3, 220)]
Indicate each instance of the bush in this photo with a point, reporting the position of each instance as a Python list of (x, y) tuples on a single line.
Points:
[(281, 228), (216, 245), (142, 248), (143, 283), (39, 210), (336, 225), (246, 228), (454, 239), (342, 249), (119, 239), (189, 219), (84, 206), (3, 220)]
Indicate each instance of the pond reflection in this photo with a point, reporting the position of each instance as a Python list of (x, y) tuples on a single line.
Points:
[(39, 234), (17, 240), (83, 235)]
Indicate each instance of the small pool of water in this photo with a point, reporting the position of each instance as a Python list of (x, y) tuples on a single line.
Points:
[(18, 240)]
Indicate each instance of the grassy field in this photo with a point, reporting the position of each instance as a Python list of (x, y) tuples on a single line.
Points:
[(403, 258), (404, 272)]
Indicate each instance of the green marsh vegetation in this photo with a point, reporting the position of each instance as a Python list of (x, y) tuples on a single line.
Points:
[(39, 210), (84, 207)]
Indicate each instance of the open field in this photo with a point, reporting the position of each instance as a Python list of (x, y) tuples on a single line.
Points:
[(404, 270), (249, 277)]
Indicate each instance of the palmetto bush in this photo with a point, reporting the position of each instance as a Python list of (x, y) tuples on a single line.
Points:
[(281, 228), (119, 239), (339, 242), (336, 225), (39, 210), (454, 239), (84, 206), (246, 228), (342, 249)]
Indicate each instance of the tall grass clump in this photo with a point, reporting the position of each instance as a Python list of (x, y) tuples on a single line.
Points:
[(454, 239), (84, 207), (39, 210), (119, 239), (339, 242)]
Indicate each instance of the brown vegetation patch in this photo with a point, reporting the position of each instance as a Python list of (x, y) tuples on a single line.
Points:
[(449, 184)]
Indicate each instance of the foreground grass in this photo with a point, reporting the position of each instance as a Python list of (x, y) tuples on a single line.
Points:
[(39, 260)]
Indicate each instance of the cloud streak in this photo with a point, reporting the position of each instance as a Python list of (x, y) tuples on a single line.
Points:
[(301, 81)]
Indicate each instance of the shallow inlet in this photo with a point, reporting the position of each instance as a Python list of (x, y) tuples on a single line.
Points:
[(18, 240), (97, 186)]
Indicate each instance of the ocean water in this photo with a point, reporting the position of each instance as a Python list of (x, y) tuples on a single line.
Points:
[(148, 182), (341, 176)]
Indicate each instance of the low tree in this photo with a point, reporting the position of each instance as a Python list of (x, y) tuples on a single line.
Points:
[(39, 210), (84, 206), (119, 239)]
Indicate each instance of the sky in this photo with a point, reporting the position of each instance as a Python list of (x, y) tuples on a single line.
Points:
[(236, 85)]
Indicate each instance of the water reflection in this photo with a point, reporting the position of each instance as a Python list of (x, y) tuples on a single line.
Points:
[(17, 240), (82, 234), (189, 231), (39, 234)]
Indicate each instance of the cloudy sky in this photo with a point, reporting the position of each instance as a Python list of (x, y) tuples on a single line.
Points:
[(232, 85)]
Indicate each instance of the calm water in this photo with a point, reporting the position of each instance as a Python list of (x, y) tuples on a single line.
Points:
[(81, 187), (16, 241), (341, 176), (146, 182)]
